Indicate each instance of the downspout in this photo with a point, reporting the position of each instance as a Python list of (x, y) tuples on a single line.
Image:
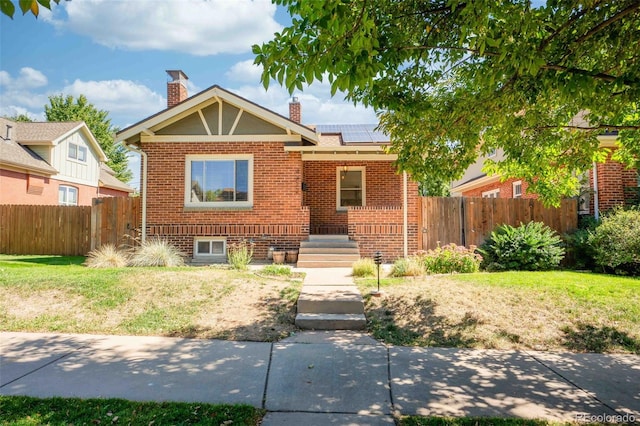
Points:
[(143, 194), (596, 204), (405, 218)]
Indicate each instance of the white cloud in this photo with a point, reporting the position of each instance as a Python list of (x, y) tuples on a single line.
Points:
[(245, 71), (126, 101), (197, 27), (27, 78), (20, 93)]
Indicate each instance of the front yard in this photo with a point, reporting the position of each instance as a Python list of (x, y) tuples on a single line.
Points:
[(58, 294), (560, 310)]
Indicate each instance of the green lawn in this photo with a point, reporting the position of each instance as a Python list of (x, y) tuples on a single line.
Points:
[(59, 294), (556, 310), (27, 411)]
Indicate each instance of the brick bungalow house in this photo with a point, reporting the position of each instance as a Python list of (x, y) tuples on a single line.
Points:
[(607, 185), (217, 169), (51, 163)]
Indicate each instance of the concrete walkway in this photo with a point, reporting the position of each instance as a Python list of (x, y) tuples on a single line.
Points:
[(319, 378)]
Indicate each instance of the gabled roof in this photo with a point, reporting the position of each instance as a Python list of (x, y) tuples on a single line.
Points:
[(109, 180), (216, 92), (15, 155), (48, 133)]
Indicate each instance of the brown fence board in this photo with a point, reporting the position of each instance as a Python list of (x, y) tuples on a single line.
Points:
[(68, 230), (468, 221)]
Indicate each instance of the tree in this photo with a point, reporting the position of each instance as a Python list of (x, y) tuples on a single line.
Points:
[(24, 118), (67, 108), (8, 8), (452, 79)]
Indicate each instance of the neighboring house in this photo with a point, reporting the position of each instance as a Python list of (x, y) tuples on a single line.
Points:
[(53, 163), (221, 169), (607, 185)]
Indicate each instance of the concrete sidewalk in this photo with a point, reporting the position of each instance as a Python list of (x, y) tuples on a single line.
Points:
[(319, 378)]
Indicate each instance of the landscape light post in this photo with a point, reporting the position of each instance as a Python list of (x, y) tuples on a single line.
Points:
[(377, 258)]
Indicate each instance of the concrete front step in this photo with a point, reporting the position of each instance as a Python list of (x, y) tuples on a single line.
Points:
[(330, 300), (328, 244), (331, 321), (324, 263), (329, 250), (352, 257), (333, 237)]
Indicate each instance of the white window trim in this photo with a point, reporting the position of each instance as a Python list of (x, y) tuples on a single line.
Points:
[(78, 148), (67, 188), (217, 204), (513, 185), (197, 240), (494, 193), (340, 169)]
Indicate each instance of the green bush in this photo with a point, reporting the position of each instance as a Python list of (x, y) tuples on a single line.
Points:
[(364, 267), (409, 267), (530, 247), (451, 258), (240, 254), (579, 253), (616, 242), (157, 252), (107, 256)]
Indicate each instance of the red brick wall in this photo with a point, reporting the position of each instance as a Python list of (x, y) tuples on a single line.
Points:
[(176, 93), (276, 219), (613, 178), (22, 188), (506, 189), (383, 188)]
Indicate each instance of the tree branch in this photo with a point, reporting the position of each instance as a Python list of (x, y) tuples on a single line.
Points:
[(598, 127), (624, 12)]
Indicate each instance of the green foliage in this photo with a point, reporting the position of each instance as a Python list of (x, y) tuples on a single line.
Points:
[(240, 254), (24, 410), (451, 258), (364, 267), (530, 247), (408, 267), (8, 8), (67, 108), (21, 118), (454, 79), (278, 270), (616, 242), (579, 253), (107, 256), (157, 252)]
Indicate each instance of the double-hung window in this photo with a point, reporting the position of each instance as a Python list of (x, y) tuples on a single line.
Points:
[(77, 152), (219, 181), (67, 195), (494, 193), (350, 187), (517, 189)]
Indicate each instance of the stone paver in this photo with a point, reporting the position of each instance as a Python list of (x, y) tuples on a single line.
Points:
[(328, 378), (612, 379), (154, 368), (458, 382)]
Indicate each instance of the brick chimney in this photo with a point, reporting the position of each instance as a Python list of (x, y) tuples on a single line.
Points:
[(176, 88), (295, 110)]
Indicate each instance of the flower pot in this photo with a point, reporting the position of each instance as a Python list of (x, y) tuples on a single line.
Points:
[(292, 256), (278, 256)]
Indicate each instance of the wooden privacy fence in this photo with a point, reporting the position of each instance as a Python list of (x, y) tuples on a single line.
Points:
[(68, 230), (468, 221)]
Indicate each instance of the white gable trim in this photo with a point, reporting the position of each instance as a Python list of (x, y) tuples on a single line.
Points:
[(206, 98)]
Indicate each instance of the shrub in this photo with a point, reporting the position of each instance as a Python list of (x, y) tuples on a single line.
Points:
[(283, 270), (530, 247), (451, 258), (157, 252), (240, 254), (579, 253), (616, 242), (364, 267), (412, 266), (107, 256)]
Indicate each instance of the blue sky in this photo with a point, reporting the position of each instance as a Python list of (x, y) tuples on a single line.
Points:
[(115, 52)]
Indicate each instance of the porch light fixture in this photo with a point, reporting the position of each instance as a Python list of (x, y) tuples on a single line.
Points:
[(345, 169)]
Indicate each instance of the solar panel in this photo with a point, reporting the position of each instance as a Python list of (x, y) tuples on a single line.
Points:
[(354, 133)]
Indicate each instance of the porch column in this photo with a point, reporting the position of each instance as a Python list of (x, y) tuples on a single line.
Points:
[(405, 217)]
